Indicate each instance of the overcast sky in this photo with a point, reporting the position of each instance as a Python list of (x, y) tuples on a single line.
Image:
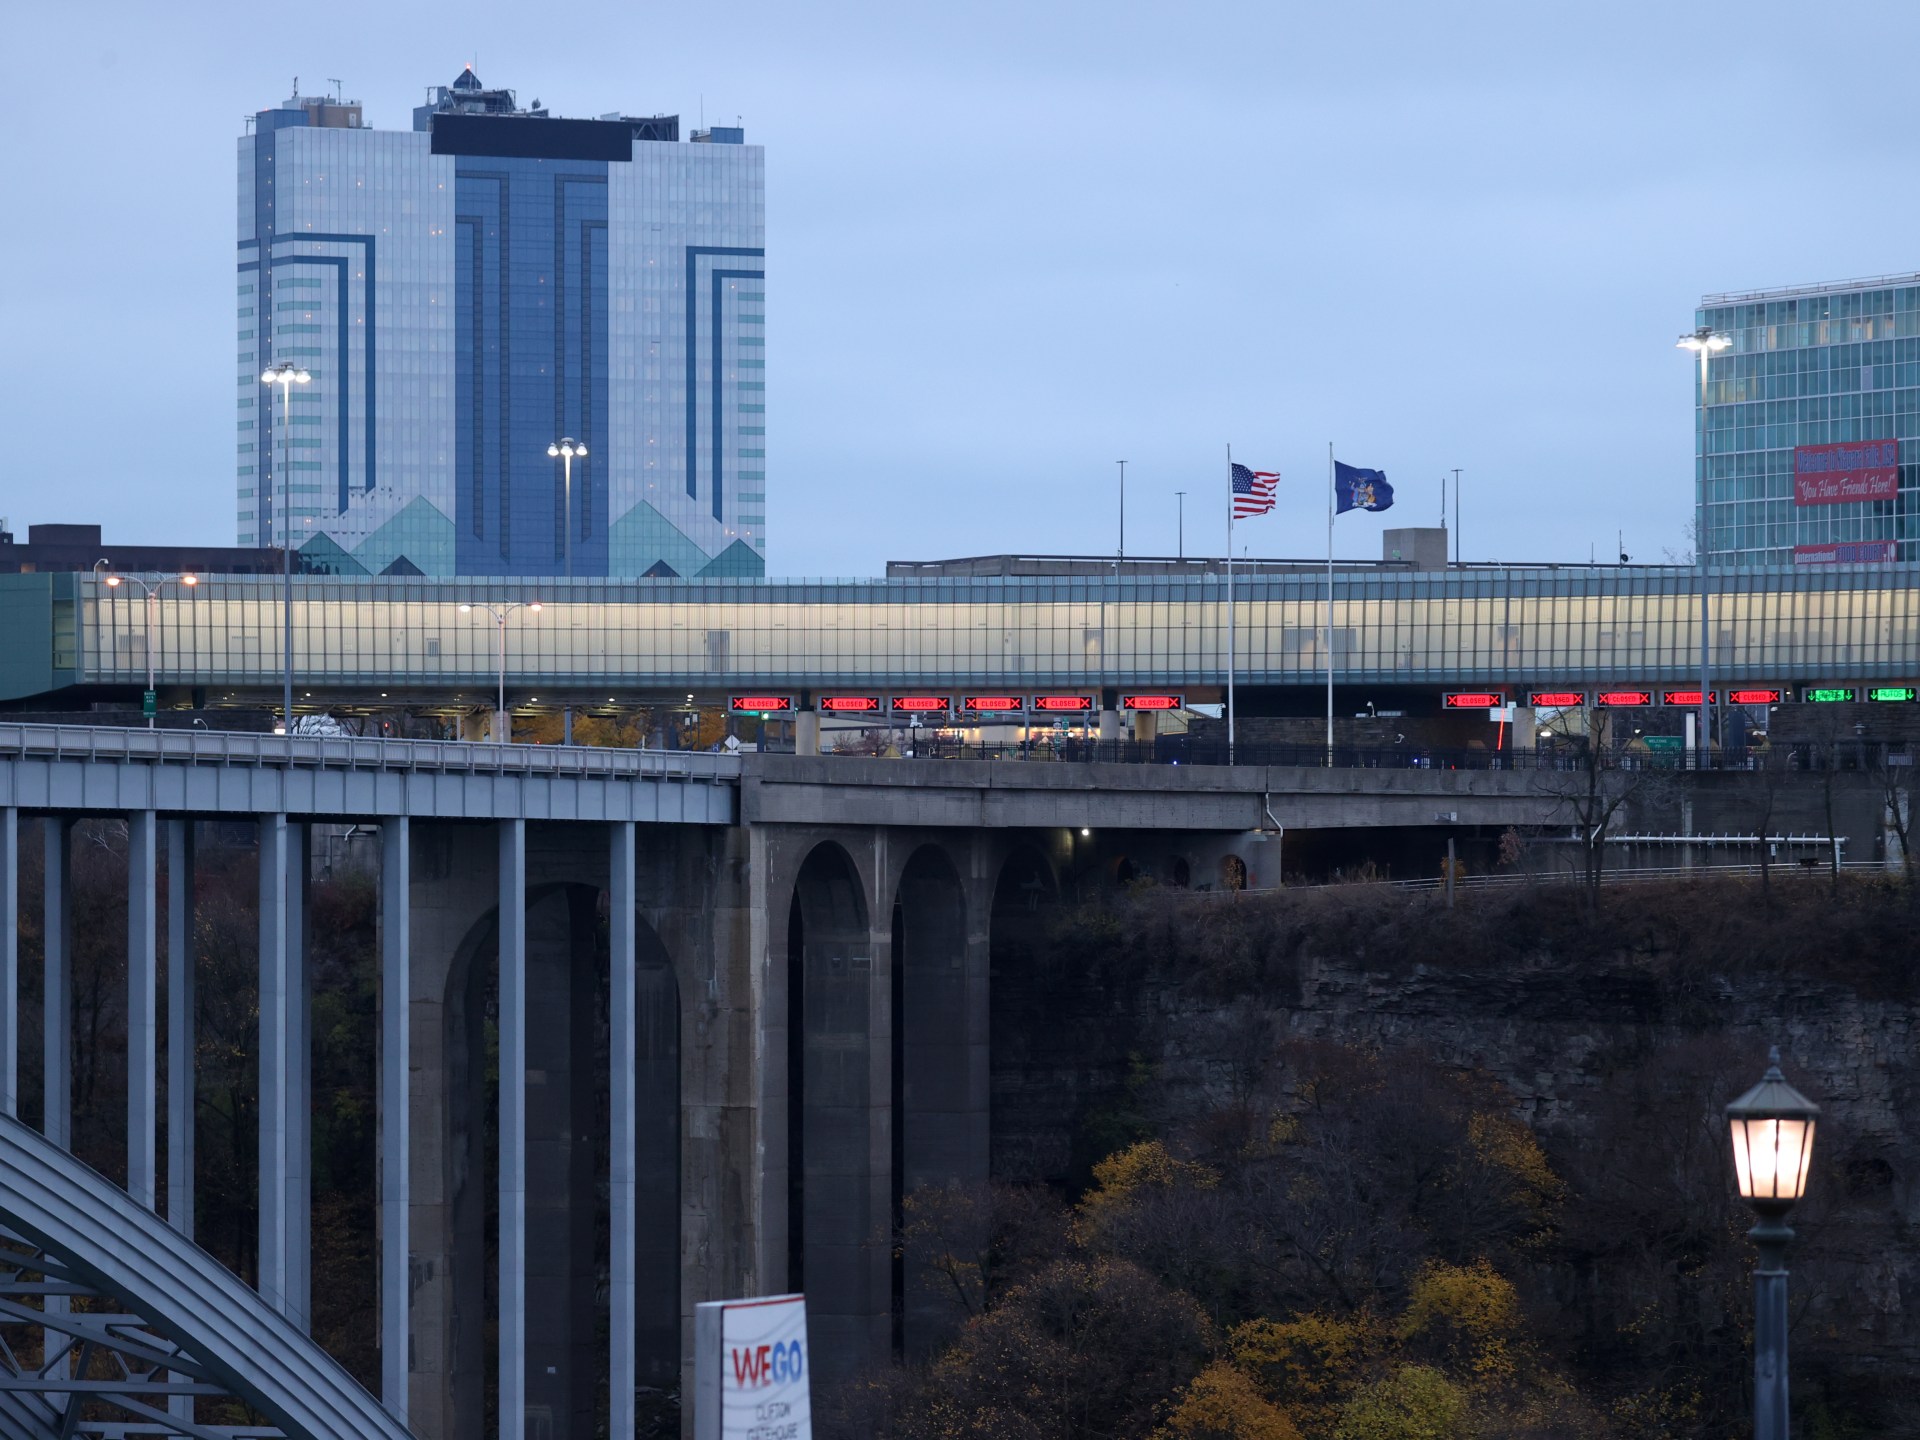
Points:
[(1010, 244)]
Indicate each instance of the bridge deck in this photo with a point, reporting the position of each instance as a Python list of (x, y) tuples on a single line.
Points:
[(94, 768)]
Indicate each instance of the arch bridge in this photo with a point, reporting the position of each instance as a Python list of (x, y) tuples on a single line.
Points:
[(652, 1029)]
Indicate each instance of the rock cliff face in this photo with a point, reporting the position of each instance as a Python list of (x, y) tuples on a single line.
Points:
[(1617, 1034)]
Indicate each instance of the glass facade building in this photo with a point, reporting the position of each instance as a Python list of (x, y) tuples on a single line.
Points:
[(1812, 376), (469, 292)]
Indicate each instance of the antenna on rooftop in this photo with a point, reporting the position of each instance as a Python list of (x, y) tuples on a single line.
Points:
[(296, 87), (337, 99)]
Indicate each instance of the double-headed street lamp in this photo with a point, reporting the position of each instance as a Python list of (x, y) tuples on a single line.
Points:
[(286, 375), (502, 730), (153, 622), (566, 451), (1772, 1126), (1704, 342)]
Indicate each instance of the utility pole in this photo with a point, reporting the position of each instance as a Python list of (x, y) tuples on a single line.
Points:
[(1456, 515)]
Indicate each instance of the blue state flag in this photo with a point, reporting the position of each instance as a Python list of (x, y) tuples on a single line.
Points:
[(1358, 489)]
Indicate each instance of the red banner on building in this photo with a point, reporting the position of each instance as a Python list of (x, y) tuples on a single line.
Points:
[(1845, 552), (1840, 474)]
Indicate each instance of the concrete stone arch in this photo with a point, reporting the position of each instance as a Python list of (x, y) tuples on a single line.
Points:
[(939, 1072), (455, 1171), (838, 1088), (1027, 885)]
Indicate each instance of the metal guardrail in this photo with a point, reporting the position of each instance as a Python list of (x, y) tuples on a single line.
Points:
[(1815, 865), (226, 747), (1183, 750), (1625, 875)]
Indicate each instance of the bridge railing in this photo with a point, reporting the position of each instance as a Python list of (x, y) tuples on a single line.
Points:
[(225, 747), (1184, 750)]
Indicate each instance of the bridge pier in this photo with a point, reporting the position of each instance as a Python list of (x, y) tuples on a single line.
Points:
[(9, 960), (395, 1104), (56, 1106), (181, 992), (143, 963), (512, 1325)]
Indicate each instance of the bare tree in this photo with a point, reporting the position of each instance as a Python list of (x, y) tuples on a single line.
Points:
[(1891, 766), (1763, 795), (1593, 786)]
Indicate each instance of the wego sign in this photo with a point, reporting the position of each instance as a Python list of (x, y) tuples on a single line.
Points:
[(750, 1370)]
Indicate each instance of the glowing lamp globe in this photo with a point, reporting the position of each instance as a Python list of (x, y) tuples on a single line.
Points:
[(1772, 1127)]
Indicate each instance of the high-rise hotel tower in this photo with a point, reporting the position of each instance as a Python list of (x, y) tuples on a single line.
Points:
[(465, 296)]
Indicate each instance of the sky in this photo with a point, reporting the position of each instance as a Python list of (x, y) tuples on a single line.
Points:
[(1011, 244)]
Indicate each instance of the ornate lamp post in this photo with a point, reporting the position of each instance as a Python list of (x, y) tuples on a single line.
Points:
[(1772, 1126)]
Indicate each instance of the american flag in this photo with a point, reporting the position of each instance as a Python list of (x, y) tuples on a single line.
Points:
[(1253, 491)]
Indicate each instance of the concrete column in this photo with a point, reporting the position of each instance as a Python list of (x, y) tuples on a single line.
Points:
[(563, 1347), (274, 980), (9, 960), (1525, 726), (1146, 726), (143, 964), (935, 1119), (299, 1082), (473, 725), (181, 1042), (438, 1274), (881, 1121), (1109, 725), (806, 732), (396, 1110), (513, 1130), (181, 1045), (56, 1119), (620, 1166)]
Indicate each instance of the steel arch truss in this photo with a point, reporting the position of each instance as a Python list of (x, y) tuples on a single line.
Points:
[(101, 1371), (140, 1317)]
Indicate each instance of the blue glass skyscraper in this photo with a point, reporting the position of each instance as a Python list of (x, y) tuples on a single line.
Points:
[(468, 292)]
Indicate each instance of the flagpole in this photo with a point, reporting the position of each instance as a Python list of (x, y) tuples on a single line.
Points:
[(1230, 658), (1329, 602)]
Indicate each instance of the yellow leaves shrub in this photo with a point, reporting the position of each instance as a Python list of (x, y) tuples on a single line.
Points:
[(1416, 1402), (1121, 1175), (1504, 1144), (1223, 1403), (1310, 1359), (1472, 1310)]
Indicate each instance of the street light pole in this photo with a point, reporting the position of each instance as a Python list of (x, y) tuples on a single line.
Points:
[(1181, 514), (1123, 507), (501, 727), (564, 451), (153, 620), (1772, 1129), (1705, 342), (286, 375)]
